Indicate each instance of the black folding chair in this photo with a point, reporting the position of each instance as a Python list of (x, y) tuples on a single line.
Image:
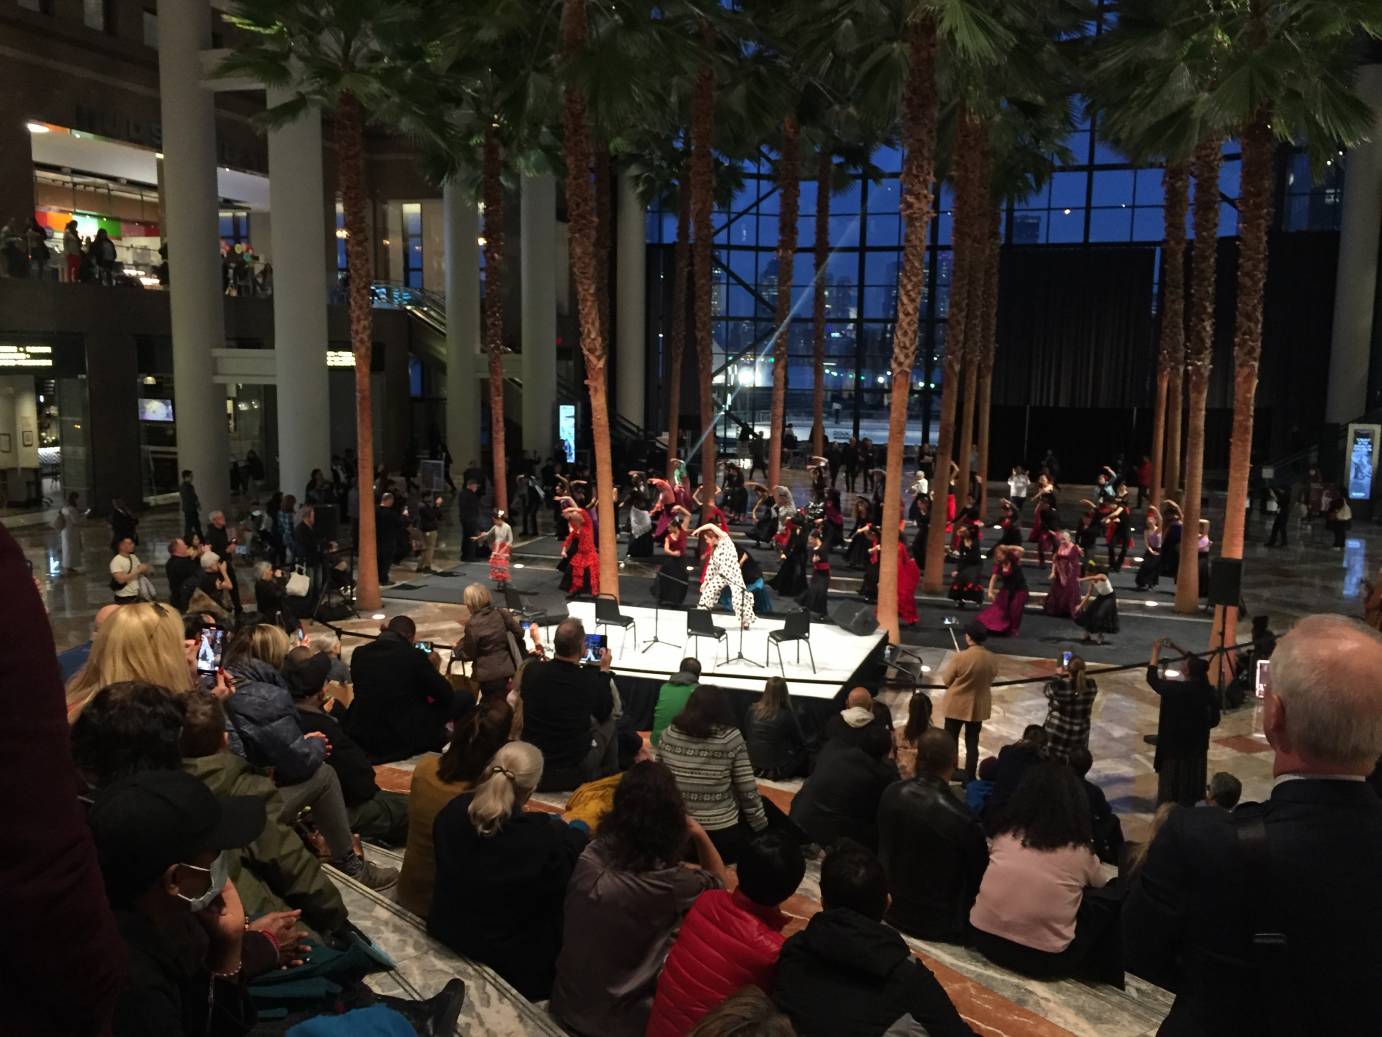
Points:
[(699, 624), (607, 615), (797, 628)]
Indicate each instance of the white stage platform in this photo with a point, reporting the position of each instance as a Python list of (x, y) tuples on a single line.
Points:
[(839, 654)]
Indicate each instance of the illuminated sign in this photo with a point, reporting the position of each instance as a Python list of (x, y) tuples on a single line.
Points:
[(566, 430), (13, 355), (340, 358), (1361, 459)]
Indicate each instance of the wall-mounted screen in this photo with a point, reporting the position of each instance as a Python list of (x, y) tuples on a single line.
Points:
[(155, 410)]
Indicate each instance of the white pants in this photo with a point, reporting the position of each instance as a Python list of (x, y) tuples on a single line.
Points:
[(720, 574)]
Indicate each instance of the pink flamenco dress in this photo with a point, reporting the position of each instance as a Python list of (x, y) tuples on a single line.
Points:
[(908, 576), (1003, 616), (1064, 595)]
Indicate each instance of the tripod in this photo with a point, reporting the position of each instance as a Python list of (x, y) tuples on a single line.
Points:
[(657, 614)]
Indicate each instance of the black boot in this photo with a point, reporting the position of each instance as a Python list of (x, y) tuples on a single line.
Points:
[(435, 1017)]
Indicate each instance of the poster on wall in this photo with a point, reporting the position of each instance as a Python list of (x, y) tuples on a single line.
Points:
[(1361, 457)]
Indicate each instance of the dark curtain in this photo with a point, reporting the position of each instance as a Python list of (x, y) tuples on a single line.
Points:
[(1075, 327)]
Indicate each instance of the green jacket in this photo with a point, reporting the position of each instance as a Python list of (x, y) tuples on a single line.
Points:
[(277, 871), (671, 700)]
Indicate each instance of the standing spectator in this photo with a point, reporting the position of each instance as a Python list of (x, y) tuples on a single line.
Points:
[(402, 702), (388, 535), (223, 541), (1033, 913), (849, 975), (183, 571), (568, 712), (69, 526), (628, 895), (1304, 864), (968, 678), (191, 506), (932, 848), (705, 751), (490, 641), (254, 466), (672, 696), (125, 572), (502, 874), (1189, 711), (39, 253), (468, 503), (777, 746), (428, 522), (729, 940), (1069, 705), (102, 253), (72, 253)]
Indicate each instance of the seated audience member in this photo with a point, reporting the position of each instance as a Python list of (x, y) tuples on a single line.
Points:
[(402, 702), (708, 758), (491, 642), (271, 596), (1108, 830), (748, 1013), (729, 940), (1223, 791), (276, 871), (139, 642), (263, 714), (840, 798), (1033, 914), (628, 895), (777, 746), (858, 725), (906, 737), (214, 581), (330, 645), (73, 659), (502, 874), (848, 974), (1069, 706), (374, 814), (1013, 763), (568, 712), (978, 791), (932, 848), (672, 696), (163, 839), (1196, 899), (184, 573), (437, 780)]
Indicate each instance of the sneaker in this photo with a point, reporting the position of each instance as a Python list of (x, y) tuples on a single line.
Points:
[(371, 875)]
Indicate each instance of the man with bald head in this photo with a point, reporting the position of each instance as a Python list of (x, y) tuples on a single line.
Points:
[(1301, 868), (568, 712), (860, 724)]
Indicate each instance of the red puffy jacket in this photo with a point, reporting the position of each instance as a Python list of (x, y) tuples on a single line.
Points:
[(726, 943)]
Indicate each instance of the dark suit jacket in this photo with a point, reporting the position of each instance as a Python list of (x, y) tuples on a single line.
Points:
[(401, 702), (1189, 917)]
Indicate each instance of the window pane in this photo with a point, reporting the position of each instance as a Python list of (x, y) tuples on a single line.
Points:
[(844, 232), (1148, 224), (880, 301), (94, 14), (806, 202), (881, 267), (1230, 177), (1066, 226), (1029, 227), (884, 230), (888, 159), (1110, 224), (150, 29), (885, 197), (1107, 154), (1113, 187), (1068, 190), (1150, 190), (806, 232), (1228, 221), (846, 201)]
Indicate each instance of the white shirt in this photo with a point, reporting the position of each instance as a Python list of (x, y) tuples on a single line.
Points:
[(1018, 485), (639, 522), (122, 564)]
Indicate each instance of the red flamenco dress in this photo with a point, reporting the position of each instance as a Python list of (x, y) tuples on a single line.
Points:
[(585, 563), (908, 576)]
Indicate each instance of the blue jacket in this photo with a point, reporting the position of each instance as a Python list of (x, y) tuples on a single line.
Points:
[(264, 715)]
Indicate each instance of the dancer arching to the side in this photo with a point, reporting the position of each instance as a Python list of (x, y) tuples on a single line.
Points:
[(723, 571), (585, 563)]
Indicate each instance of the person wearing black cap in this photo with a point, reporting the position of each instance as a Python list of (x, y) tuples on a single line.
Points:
[(375, 814), (968, 679)]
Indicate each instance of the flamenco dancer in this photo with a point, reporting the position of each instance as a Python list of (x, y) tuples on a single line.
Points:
[(1149, 572), (1098, 611), (922, 507), (1118, 523), (857, 552), (908, 576), (500, 536), (1007, 594), (1173, 531), (585, 563), (873, 548), (736, 497), (816, 598), (640, 527), (670, 585), (833, 529), (1045, 520), (764, 521), (723, 572), (1063, 596), (964, 584), (1010, 523), (790, 580)]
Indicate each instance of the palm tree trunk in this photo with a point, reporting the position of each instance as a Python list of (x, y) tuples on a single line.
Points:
[(919, 141), (580, 207), (350, 147), (702, 197), (978, 237), (677, 344), (603, 220), (988, 346), (1254, 218), (1199, 360), (1166, 480), (494, 310), (789, 186), (967, 205), (824, 174)]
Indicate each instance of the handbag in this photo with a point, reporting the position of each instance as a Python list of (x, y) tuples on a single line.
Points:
[(298, 585)]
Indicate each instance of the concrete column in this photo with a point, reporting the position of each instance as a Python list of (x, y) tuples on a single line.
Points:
[(631, 305), (461, 230), (1357, 282), (296, 229), (538, 259), (194, 263), (16, 168)]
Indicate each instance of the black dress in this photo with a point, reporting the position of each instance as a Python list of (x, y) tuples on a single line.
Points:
[(816, 598), (969, 574), (765, 526), (672, 578), (790, 580)]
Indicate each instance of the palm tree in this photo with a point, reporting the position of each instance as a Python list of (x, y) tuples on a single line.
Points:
[(356, 62), (1167, 420), (976, 239), (702, 199), (789, 190)]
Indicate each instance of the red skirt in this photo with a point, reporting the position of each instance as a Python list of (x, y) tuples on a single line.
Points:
[(499, 564)]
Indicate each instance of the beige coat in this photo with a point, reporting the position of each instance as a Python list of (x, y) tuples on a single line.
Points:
[(968, 679)]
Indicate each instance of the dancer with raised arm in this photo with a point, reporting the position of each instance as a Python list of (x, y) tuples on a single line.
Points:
[(585, 563), (723, 570)]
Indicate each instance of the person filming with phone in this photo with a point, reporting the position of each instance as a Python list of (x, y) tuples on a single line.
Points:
[(568, 711), (1189, 710), (402, 701)]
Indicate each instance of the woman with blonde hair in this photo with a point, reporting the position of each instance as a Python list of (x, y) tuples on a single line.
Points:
[(502, 873), (492, 641), (140, 642)]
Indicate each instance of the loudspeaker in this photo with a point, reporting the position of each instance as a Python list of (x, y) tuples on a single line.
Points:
[(857, 619), (328, 522), (1225, 581)]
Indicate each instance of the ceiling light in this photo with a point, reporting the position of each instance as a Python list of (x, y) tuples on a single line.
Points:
[(158, 155), (36, 127)]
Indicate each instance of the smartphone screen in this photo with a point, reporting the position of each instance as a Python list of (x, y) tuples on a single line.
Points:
[(594, 645), (1264, 678), (525, 624), (1065, 660), (424, 647), (209, 647)]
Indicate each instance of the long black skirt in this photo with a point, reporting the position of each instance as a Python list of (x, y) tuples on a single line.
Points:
[(816, 598), (672, 581), (641, 546), (791, 577)]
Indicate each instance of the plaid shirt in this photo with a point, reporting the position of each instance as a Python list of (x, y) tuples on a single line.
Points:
[(1068, 717)]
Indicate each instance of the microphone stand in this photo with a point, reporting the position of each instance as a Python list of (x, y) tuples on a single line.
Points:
[(657, 613)]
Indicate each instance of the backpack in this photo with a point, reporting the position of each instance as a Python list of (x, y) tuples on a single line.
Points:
[(60, 521)]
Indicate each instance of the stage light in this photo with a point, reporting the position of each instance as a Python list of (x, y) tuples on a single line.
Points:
[(1151, 604), (1172, 674), (377, 615), (518, 565), (925, 668), (36, 127), (1138, 559)]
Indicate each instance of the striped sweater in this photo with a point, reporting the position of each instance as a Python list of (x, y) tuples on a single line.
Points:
[(715, 777)]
